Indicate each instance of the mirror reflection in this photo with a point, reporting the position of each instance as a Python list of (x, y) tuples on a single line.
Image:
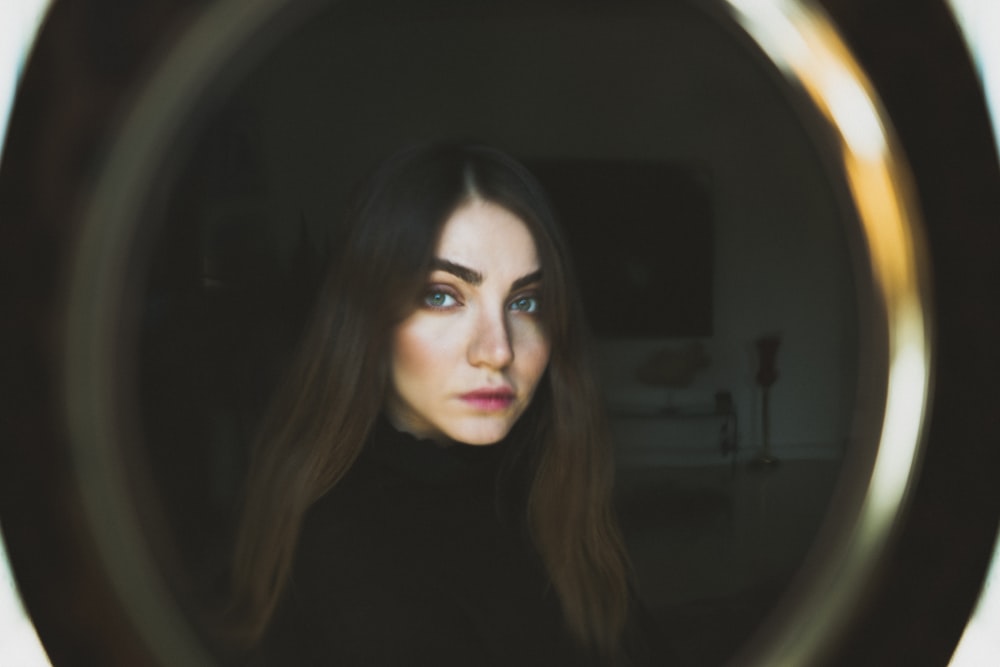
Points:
[(710, 239)]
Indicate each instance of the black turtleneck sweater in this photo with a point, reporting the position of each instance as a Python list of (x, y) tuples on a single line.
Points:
[(411, 560)]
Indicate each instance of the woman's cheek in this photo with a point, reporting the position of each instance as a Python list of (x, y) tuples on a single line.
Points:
[(532, 345), (418, 343)]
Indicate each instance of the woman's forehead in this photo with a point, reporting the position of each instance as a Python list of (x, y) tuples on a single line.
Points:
[(484, 236)]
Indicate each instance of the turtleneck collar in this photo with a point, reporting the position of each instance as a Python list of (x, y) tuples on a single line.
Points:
[(427, 461)]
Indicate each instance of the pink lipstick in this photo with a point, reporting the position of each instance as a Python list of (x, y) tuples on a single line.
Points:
[(490, 399)]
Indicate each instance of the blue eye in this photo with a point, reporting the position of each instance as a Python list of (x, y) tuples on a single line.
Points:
[(525, 304), (439, 299)]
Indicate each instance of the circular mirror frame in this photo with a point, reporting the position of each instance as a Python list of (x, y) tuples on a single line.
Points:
[(804, 46), (801, 43)]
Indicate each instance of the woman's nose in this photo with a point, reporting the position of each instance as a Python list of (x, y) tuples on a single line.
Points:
[(491, 343)]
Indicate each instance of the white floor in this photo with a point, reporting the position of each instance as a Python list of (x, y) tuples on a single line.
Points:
[(714, 546)]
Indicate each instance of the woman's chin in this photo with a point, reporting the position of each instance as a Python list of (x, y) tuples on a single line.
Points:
[(480, 431)]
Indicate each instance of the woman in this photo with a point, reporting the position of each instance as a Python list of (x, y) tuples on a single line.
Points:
[(433, 482)]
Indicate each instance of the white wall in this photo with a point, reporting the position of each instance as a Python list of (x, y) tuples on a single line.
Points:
[(664, 85)]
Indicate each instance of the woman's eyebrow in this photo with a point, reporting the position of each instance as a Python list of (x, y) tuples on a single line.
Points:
[(470, 276), (474, 277), (532, 277)]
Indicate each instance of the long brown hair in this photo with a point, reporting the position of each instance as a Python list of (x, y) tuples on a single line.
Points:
[(322, 414)]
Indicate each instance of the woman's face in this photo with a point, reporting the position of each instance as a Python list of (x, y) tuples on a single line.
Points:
[(466, 362)]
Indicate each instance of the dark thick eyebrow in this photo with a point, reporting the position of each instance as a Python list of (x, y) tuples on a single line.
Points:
[(474, 277), (532, 277), (470, 276)]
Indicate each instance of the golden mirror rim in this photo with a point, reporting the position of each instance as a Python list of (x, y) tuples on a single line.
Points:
[(804, 46)]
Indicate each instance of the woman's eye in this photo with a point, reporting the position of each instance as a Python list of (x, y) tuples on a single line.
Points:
[(525, 304), (439, 299)]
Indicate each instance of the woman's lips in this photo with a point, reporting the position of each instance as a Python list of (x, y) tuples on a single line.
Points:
[(489, 399)]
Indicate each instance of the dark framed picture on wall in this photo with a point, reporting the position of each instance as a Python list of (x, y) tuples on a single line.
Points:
[(604, 206)]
